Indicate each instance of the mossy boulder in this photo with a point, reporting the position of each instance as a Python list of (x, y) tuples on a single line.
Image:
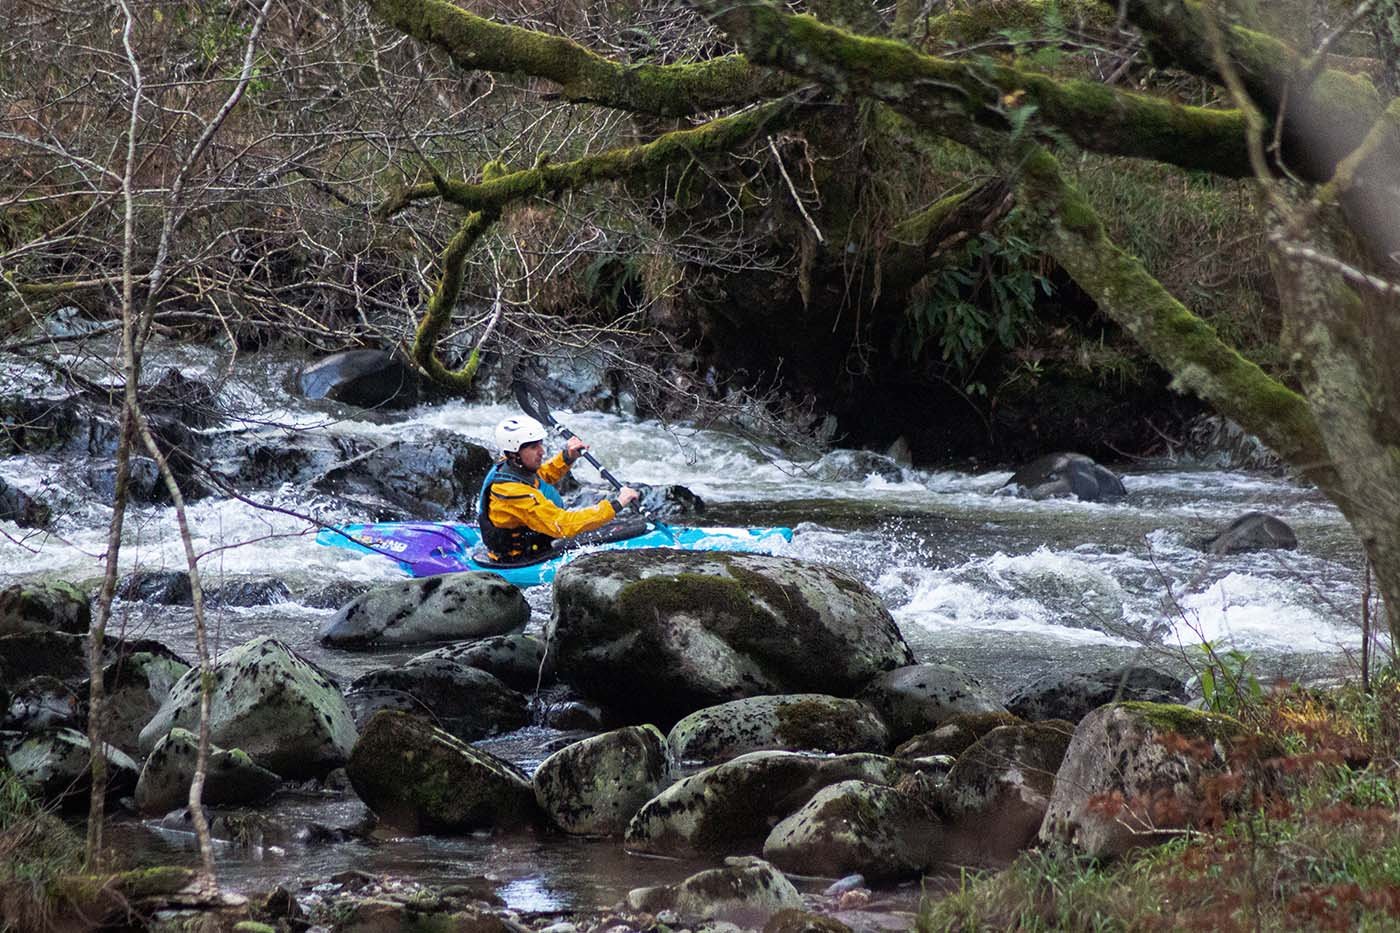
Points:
[(995, 797), (55, 767), (1070, 695), (919, 697), (855, 827), (657, 633), (447, 607), (795, 722), (954, 736), (745, 892), (41, 703), (231, 778), (1154, 758), (137, 684), (469, 703), (595, 787), (732, 807), (517, 659), (44, 607), (270, 702), (423, 780)]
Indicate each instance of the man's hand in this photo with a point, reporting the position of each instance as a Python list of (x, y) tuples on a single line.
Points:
[(627, 495), (574, 449)]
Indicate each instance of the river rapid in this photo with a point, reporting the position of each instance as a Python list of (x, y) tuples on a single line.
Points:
[(1007, 589)]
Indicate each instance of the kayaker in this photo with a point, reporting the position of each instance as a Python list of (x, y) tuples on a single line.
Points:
[(520, 512)]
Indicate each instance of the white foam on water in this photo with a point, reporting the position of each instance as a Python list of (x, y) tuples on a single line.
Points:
[(1249, 612)]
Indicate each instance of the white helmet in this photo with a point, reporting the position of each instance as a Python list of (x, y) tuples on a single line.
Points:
[(514, 433)]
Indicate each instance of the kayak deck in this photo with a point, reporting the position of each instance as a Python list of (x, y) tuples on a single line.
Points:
[(423, 549)]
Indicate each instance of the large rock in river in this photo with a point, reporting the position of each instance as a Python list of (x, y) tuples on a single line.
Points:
[(269, 702), (658, 633), (855, 827), (594, 787), (423, 780), (917, 698), (1134, 773), (469, 703), (1071, 695), (1252, 531), (437, 478), (231, 778), (364, 378), (1064, 474), (56, 767), (447, 607)]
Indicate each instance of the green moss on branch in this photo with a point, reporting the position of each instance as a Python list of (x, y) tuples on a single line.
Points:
[(938, 93), (583, 76)]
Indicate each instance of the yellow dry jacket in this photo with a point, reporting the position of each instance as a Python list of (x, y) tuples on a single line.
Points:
[(514, 505)]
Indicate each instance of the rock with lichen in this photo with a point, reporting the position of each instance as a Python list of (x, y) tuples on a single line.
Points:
[(595, 787), (656, 633), (446, 607), (919, 697), (421, 779), (231, 777), (270, 702), (856, 827), (1135, 773), (793, 722), (746, 892), (731, 807), (55, 606)]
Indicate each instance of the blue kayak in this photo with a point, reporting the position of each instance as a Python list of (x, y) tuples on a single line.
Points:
[(426, 548)]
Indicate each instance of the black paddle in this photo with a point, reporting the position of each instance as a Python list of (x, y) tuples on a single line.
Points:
[(533, 404)]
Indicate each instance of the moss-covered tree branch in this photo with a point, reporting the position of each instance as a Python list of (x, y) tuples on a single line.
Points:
[(499, 188), (544, 179), (1319, 115), (1181, 342), (583, 76), (940, 94)]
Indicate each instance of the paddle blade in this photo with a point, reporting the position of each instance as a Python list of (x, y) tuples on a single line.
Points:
[(532, 402)]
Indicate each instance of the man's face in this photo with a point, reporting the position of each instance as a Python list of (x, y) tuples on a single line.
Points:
[(532, 454)]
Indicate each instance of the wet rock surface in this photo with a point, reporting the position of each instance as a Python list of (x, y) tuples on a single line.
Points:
[(657, 634), (467, 702), (795, 722), (423, 780), (56, 767), (231, 777), (270, 702), (1065, 474), (1072, 695), (918, 697), (517, 659), (447, 607), (44, 607), (1252, 531), (435, 479), (363, 378), (594, 787)]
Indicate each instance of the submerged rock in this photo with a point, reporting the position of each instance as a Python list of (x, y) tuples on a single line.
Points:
[(656, 633), (1252, 531), (795, 722), (594, 787), (271, 703), (446, 607), (1064, 474), (423, 780), (855, 466), (231, 778), (1072, 695)]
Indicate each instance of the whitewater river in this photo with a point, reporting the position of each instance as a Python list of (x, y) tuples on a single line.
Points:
[(1007, 589)]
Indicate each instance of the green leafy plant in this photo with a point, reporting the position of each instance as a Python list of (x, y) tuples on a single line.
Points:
[(986, 295), (1227, 684)]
